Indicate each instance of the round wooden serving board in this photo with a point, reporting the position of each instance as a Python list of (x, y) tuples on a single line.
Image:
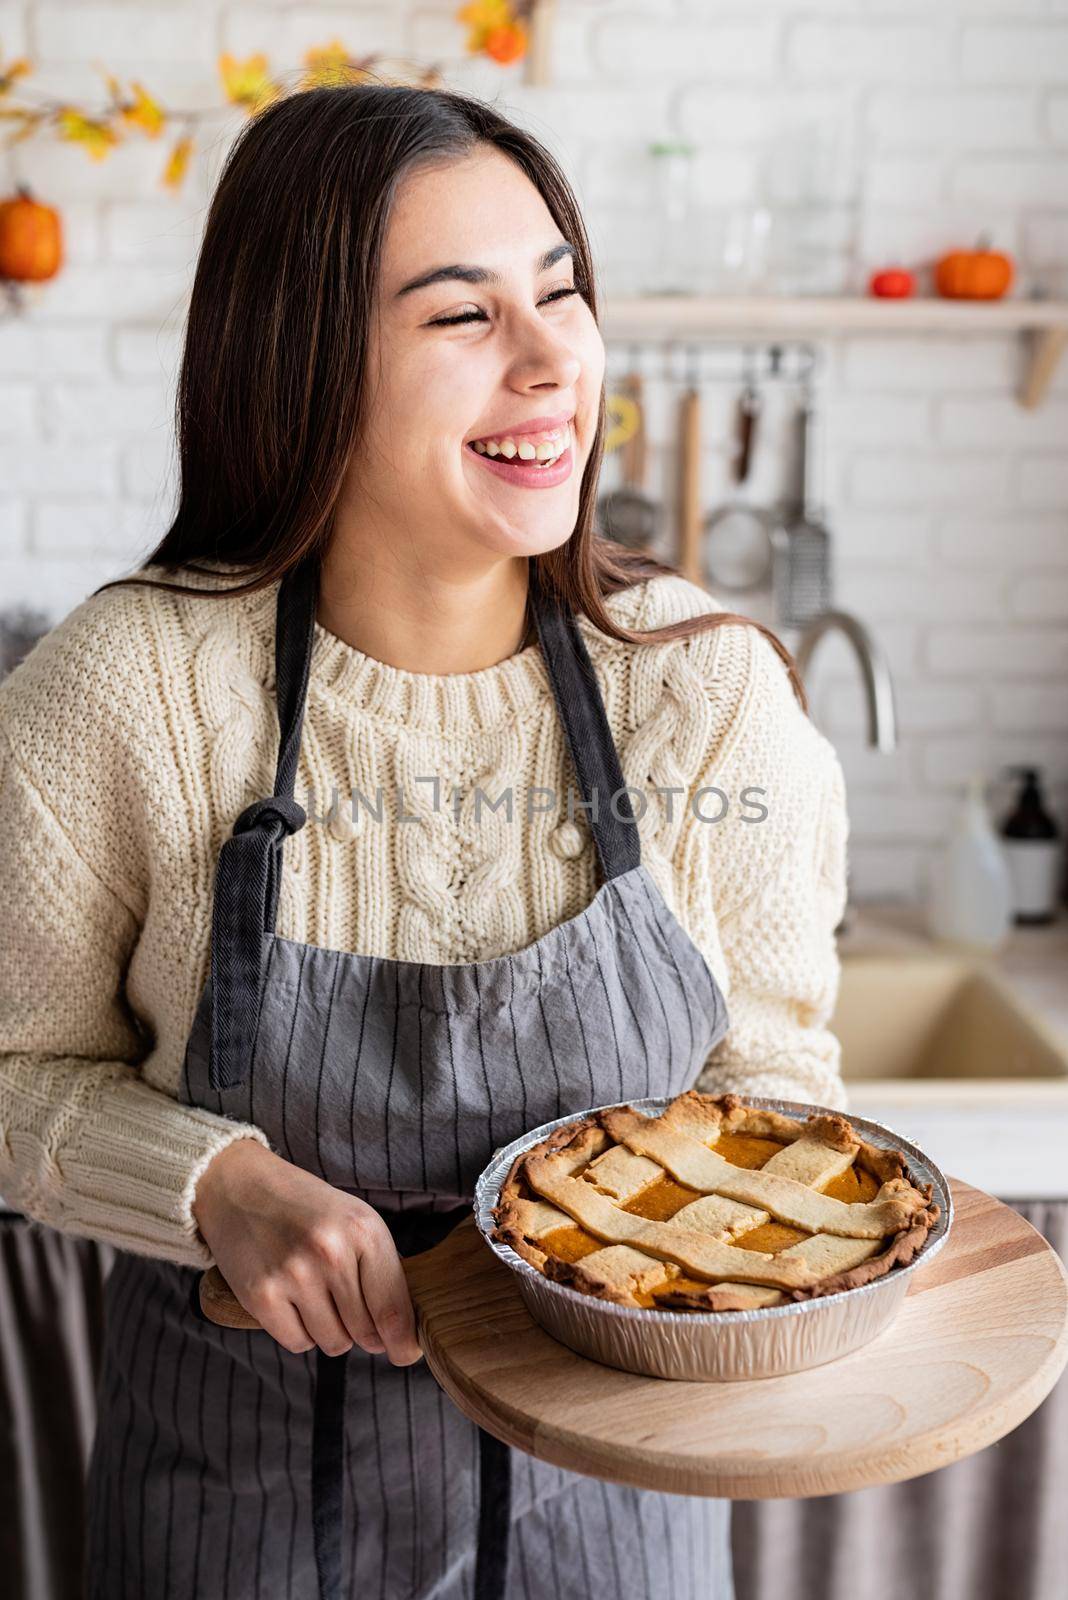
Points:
[(979, 1342)]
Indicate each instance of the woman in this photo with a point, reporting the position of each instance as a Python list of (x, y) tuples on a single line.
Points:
[(286, 1038)]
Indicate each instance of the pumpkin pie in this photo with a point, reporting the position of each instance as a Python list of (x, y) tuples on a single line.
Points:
[(713, 1205)]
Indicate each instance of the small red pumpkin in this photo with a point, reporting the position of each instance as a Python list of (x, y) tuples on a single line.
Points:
[(979, 274), (31, 238)]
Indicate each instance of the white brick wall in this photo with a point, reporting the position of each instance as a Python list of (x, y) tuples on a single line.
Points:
[(948, 503)]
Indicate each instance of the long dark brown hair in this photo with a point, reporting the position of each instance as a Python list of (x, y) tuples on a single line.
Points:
[(271, 393)]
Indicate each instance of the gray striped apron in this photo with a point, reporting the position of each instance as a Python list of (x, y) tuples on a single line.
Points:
[(224, 1465)]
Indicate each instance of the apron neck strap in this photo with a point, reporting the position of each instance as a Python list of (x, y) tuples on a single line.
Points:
[(582, 713), (248, 871), (294, 637)]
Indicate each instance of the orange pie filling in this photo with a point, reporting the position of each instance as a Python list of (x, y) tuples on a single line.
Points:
[(662, 1199)]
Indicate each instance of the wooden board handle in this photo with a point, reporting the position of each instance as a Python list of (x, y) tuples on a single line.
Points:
[(220, 1304)]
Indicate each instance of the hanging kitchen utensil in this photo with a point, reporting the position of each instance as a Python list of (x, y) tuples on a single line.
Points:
[(627, 514), (801, 568), (622, 418), (736, 537), (689, 510), (738, 549), (746, 418)]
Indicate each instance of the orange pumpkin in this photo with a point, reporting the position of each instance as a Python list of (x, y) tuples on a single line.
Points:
[(31, 238), (979, 274)]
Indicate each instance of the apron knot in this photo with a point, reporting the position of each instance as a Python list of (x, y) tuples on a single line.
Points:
[(277, 808), (246, 901)]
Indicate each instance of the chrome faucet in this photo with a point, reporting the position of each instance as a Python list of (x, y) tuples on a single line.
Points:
[(874, 671)]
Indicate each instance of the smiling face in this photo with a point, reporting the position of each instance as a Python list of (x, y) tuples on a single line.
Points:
[(524, 348)]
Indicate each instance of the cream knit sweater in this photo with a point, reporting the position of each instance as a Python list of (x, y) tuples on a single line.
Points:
[(136, 731)]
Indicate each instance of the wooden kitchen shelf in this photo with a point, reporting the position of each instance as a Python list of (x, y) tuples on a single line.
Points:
[(1042, 324)]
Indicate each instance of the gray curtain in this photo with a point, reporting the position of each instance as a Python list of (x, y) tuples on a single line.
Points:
[(50, 1319), (992, 1527)]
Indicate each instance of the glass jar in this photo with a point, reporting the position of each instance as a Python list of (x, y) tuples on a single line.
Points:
[(673, 266), (810, 184)]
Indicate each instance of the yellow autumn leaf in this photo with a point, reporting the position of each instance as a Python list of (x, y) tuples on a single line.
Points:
[(144, 112), (29, 122), (177, 162), (138, 108), (485, 13), (327, 64), (246, 83), (97, 137), (482, 18), (340, 77), (12, 72)]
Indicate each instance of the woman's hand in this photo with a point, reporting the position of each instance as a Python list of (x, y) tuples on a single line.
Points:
[(315, 1266)]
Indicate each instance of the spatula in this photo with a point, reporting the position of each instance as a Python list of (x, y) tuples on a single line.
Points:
[(802, 544)]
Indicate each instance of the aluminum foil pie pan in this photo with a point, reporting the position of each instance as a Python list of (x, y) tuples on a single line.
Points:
[(715, 1345)]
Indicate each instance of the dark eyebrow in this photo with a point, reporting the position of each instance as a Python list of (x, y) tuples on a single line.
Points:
[(482, 274)]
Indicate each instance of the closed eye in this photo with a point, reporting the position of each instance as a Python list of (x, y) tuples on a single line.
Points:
[(480, 316)]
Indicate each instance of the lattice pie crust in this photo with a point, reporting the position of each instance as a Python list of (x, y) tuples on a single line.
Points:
[(714, 1205)]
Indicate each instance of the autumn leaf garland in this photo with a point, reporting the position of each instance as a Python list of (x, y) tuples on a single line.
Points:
[(496, 28)]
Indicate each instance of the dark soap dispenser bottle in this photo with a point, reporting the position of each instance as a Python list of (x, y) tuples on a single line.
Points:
[(1031, 841)]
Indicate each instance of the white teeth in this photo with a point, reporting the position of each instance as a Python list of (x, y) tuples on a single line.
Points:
[(547, 451)]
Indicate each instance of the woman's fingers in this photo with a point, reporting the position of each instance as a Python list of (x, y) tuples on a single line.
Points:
[(322, 1320), (282, 1320), (385, 1291), (352, 1309)]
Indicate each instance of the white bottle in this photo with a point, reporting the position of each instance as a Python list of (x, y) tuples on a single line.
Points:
[(970, 899)]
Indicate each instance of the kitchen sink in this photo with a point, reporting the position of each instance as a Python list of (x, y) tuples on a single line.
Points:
[(939, 1048), (938, 1017)]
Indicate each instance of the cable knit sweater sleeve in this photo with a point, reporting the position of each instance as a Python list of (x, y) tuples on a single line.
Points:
[(779, 887), (87, 1144)]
